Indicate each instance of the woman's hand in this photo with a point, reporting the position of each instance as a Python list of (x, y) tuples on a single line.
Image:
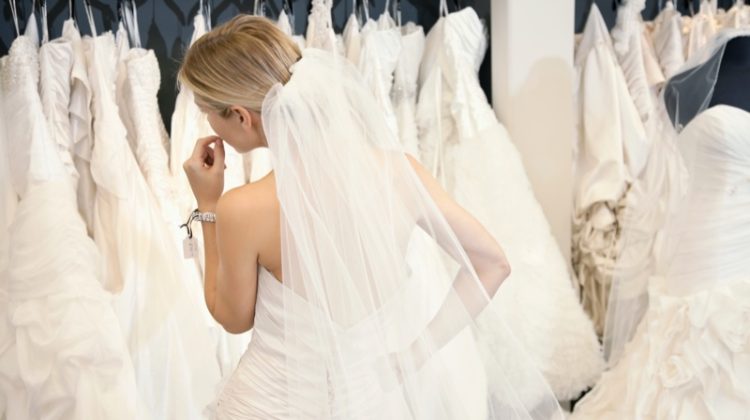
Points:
[(205, 171)]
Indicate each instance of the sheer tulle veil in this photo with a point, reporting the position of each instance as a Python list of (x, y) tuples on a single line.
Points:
[(378, 333)]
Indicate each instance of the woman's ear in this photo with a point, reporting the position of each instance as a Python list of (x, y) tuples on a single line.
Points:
[(242, 114)]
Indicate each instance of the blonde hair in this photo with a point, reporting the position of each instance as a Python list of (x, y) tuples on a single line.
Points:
[(237, 63)]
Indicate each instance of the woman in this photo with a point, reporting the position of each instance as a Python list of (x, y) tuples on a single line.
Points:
[(313, 255)]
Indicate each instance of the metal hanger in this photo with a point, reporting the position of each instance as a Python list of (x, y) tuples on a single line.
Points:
[(396, 11), (121, 19), (288, 9), (365, 9), (45, 28), (259, 8), (444, 8), (90, 16), (14, 13), (209, 8), (690, 7), (133, 29)]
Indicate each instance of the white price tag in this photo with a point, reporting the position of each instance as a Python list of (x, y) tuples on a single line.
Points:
[(189, 248)]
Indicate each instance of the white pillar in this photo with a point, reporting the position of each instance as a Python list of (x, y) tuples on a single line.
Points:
[(532, 90)]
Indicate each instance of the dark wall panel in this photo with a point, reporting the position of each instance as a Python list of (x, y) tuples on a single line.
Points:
[(609, 9), (166, 25)]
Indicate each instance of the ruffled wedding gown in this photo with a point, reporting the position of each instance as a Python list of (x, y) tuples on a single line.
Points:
[(141, 84), (62, 355), (690, 356), (141, 261), (470, 152)]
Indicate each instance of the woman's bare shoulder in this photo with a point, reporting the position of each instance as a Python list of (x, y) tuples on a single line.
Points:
[(249, 204)]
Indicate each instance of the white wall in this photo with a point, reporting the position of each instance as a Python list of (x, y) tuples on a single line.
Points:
[(532, 83)]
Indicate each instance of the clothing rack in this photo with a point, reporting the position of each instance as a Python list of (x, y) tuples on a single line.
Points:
[(609, 9), (166, 25)]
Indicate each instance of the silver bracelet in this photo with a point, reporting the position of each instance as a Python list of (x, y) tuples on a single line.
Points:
[(208, 217)]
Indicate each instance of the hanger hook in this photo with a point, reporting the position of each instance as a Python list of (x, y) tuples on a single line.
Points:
[(45, 28), (14, 13)]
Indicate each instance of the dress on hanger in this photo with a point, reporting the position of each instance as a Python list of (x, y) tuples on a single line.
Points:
[(738, 16), (609, 127), (702, 29), (66, 357), (9, 202), (122, 47), (82, 137), (378, 57), (639, 64), (352, 39), (690, 355), (139, 94), (668, 43), (404, 91), (140, 260), (285, 24), (472, 155), (320, 28)]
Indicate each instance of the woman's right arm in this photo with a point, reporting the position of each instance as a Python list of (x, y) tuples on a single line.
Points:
[(484, 253), (466, 299)]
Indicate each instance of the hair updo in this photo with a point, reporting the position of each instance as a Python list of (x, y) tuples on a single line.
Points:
[(237, 63)]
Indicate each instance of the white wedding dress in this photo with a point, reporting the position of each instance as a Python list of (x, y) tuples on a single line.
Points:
[(667, 37), (79, 109), (404, 90), (378, 56), (610, 135), (8, 204), (352, 39), (738, 16), (150, 137), (465, 146), (62, 354), (690, 356), (320, 27), (141, 261), (639, 64), (285, 24), (702, 28)]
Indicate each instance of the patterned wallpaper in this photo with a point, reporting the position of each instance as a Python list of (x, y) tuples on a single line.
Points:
[(166, 25)]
